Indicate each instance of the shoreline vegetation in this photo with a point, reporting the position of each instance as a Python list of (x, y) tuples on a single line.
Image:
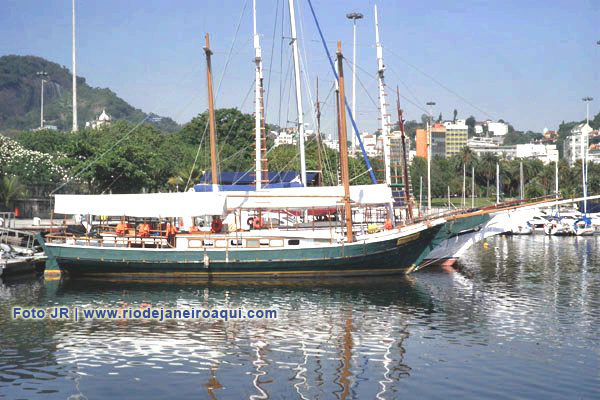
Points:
[(123, 158)]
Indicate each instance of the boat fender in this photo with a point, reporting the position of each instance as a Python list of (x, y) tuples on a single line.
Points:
[(216, 226), (206, 260), (257, 223)]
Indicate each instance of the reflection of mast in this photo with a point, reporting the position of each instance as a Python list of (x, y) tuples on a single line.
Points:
[(259, 363), (347, 357), (212, 384)]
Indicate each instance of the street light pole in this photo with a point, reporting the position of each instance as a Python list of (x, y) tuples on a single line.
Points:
[(429, 123), (587, 108), (354, 16), (43, 75)]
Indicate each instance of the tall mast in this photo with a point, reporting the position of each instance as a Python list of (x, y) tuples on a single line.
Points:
[(384, 116), (75, 128), (404, 160), (319, 160), (298, 91), (257, 100), (344, 146), (211, 118)]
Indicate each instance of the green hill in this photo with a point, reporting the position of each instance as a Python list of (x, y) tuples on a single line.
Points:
[(20, 98)]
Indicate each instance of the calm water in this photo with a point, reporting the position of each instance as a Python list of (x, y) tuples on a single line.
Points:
[(521, 320)]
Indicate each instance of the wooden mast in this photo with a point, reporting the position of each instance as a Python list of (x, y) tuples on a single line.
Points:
[(319, 161), (404, 160), (344, 145), (211, 117)]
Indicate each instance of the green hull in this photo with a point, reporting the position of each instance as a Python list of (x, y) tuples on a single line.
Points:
[(390, 256)]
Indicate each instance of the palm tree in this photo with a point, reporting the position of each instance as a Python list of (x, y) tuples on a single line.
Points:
[(488, 169), (11, 190)]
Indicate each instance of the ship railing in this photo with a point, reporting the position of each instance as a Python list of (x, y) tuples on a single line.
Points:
[(108, 240)]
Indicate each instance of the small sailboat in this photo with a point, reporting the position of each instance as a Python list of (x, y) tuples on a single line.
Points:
[(583, 227)]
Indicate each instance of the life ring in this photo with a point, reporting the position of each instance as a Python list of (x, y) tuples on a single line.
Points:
[(216, 226), (257, 223)]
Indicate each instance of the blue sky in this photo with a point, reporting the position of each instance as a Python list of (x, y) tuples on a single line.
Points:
[(528, 62)]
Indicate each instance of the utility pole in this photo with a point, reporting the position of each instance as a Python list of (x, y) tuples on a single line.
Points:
[(354, 16), (521, 187), (75, 128), (497, 183), (464, 200), (472, 187), (420, 194), (384, 116), (298, 91), (211, 118), (43, 75), (429, 123), (344, 146)]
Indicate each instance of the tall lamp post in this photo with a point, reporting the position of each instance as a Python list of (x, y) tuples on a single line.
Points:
[(354, 16), (43, 75), (429, 123), (587, 108)]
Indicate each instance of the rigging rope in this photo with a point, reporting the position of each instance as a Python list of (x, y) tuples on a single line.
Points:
[(329, 58)]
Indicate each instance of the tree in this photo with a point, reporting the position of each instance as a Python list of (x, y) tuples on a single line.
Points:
[(471, 122), (11, 190), (487, 168)]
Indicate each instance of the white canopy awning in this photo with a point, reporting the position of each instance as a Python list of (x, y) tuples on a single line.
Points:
[(150, 205), (309, 197)]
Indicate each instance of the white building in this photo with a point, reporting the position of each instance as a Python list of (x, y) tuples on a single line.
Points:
[(285, 137), (497, 128), (547, 153), (573, 144), (370, 143), (103, 119), (487, 145)]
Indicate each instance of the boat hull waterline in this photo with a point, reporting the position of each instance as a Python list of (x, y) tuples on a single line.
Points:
[(396, 255)]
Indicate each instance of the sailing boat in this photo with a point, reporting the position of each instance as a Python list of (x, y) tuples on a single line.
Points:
[(157, 248)]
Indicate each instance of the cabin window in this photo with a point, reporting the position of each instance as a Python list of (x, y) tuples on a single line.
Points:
[(194, 243), (209, 243), (221, 243), (252, 243), (276, 243), (264, 242), (294, 242), (234, 242)]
